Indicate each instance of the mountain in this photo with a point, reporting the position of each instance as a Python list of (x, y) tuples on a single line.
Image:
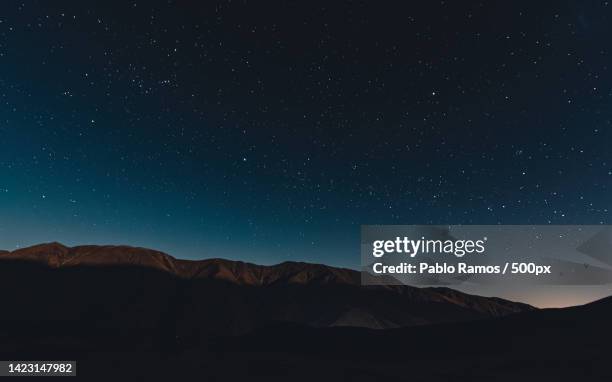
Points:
[(225, 320), (106, 296), (245, 295)]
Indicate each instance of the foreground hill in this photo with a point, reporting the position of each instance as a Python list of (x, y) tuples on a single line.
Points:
[(569, 344)]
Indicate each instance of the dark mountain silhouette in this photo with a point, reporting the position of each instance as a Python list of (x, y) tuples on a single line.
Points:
[(129, 281), (143, 314)]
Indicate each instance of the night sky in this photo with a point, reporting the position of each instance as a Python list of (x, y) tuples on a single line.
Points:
[(270, 131)]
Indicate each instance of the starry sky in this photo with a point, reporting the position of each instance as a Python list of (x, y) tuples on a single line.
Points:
[(271, 132)]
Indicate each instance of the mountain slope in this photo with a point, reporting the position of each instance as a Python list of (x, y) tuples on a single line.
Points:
[(58, 255), (136, 289)]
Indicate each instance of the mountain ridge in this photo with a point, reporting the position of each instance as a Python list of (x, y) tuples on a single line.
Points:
[(57, 255), (246, 295)]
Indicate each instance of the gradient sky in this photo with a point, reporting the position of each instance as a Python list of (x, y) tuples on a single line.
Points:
[(272, 132)]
